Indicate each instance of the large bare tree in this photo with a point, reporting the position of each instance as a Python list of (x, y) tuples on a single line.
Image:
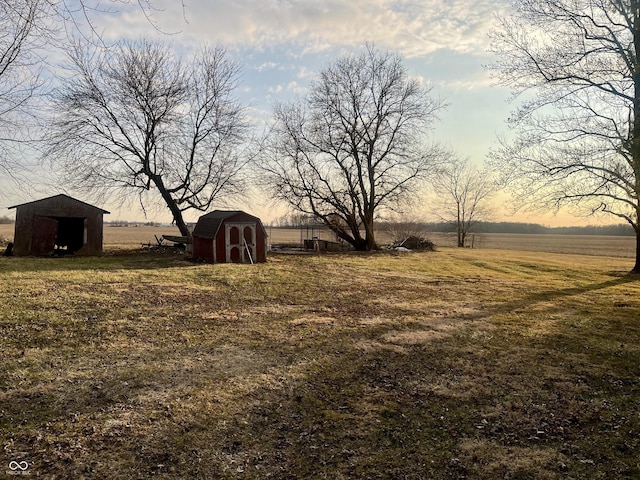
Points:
[(353, 145), (29, 31), (134, 118), (577, 132), (462, 192), (22, 24)]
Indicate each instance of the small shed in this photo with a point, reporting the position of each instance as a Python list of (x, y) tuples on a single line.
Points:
[(224, 236), (58, 225)]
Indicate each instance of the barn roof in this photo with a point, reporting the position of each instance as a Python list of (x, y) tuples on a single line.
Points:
[(59, 197), (209, 224)]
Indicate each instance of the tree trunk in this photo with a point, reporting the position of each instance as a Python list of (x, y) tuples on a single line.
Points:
[(636, 267), (370, 239), (173, 206), (357, 243), (635, 139), (354, 239), (459, 225)]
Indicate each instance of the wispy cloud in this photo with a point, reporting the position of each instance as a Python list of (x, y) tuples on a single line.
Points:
[(268, 66), (413, 27)]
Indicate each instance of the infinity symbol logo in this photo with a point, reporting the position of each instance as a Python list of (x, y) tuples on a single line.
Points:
[(13, 465)]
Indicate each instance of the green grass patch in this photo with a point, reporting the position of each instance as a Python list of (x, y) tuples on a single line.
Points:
[(454, 364)]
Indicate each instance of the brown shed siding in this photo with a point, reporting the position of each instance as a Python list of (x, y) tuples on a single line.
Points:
[(59, 221)]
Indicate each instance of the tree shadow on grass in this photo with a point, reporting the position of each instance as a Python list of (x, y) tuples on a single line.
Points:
[(550, 296), (446, 407)]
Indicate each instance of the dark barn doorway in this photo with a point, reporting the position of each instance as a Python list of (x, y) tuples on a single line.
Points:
[(58, 235), (71, 235)]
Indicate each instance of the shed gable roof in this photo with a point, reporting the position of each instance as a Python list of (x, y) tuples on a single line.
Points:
[(60, 197), (209, 224)]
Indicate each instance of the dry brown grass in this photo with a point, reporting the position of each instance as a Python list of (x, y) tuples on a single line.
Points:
[(454, 364)]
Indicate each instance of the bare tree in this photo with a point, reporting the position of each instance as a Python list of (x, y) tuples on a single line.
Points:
[(353, 145), (577, 133), (22, 22), (136, 118), (462, 192), (29, 30)]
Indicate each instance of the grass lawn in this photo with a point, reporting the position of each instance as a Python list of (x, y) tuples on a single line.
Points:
[(447, 365)]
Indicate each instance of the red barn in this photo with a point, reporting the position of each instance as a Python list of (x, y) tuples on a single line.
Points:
[(58, 224), (229, 237)]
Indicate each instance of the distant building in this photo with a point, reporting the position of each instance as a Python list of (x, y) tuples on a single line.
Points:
[(58, 224), (229, 237)]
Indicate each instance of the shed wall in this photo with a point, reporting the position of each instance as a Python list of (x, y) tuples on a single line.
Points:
[(221, 247), (35, 225), (203, 249)]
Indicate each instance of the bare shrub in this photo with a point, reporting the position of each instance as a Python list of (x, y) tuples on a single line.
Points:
[(409, 234)]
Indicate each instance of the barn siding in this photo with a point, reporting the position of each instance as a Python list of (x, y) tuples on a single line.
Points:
[(33, 232)]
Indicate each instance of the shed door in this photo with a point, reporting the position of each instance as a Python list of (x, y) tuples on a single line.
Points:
[(240, 241), (43, 238)]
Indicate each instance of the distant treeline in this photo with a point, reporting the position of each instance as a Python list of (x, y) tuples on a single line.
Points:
[(127, 223), (621, 229)]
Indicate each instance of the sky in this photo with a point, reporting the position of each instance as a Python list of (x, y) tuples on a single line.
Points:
[(282, 44)]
